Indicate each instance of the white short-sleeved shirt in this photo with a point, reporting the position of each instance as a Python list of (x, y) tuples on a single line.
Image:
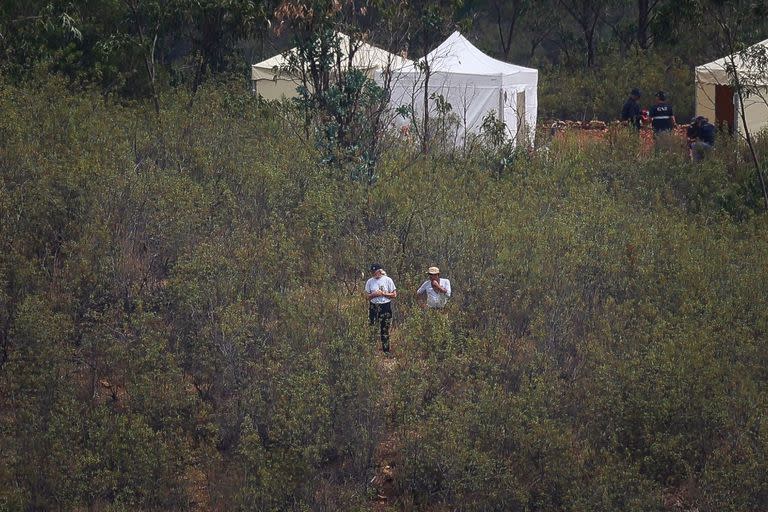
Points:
[(436, 299), (384, 283)]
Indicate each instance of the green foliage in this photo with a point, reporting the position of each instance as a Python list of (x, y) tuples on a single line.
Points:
[(124, 47), (349, 128), (498, 150), (599, 93)]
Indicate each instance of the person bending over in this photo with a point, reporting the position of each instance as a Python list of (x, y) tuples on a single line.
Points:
[(701, 137)]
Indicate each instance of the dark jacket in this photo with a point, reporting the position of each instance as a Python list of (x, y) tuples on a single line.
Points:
[(705, 132), (661, 116), (631, 112)]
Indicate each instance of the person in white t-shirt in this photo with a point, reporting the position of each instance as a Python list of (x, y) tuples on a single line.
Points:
[(436, 289), (380, 290)]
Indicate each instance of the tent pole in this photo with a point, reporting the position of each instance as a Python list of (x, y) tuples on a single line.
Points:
[(501, 104), (696, 94)]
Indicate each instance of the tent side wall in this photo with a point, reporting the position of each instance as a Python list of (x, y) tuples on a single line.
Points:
[(273, 81), (522, 85), (277, 89), (272, 87), (705, 100), (708, 104), (532, 108), (756, 109), (471, 97)]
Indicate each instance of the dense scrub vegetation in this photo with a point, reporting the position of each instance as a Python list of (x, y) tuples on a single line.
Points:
[(182, 326)]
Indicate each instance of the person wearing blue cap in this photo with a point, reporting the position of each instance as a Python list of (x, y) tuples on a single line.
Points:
[(380, 290), (631, 112)]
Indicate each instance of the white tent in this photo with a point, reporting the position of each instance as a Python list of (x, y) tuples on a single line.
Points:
[(273, 79), (474, 84), (715, 98)]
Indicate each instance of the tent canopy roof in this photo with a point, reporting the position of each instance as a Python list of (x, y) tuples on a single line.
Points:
[(366, 57), (715, 72), (457, 55)]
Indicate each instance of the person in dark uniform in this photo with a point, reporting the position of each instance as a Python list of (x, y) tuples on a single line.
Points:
[(631, 112), (701, 137), (662, 115)]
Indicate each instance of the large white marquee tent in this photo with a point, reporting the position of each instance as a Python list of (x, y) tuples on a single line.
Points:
[(474, 84), (273, 79), (715, 98)]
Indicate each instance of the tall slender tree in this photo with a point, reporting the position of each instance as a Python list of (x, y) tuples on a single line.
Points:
[(508, 16), (646, 11), (587, 14)]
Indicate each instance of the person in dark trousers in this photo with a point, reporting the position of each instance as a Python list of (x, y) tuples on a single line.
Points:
[(701, 137), (631, 112), (380, 290), (661, 114)]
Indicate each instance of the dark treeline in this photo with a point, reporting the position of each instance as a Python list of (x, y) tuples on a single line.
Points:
[(590, 52)]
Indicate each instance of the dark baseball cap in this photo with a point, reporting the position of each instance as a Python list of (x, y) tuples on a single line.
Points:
[(375, 267), (661, 95), (635, 92)]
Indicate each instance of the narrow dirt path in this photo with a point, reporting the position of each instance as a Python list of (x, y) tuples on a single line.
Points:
[(386, 456)]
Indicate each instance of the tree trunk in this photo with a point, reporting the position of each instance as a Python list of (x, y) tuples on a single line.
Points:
[(506, 41), (586, 15), (589, 39), (148, 52), (643, 14)]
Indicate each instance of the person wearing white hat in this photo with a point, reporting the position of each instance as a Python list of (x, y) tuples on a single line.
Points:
[(436, 289), (380, 290)]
